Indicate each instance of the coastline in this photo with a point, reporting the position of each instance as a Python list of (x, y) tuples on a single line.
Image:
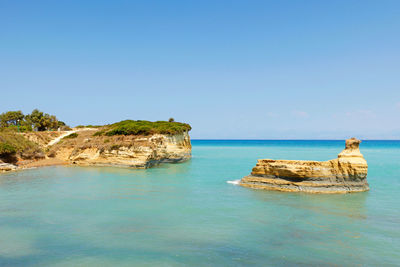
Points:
[(41, 163), (82, 147)]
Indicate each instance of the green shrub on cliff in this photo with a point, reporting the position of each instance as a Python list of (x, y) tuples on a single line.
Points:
[(7, 149), (13, 143), (71, 136), (130, 127), (99, 133)]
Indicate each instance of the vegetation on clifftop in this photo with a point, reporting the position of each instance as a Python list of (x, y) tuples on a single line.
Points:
[(71, 136), (88, 126), (26, 136), (12, 144), (131, 127), (17, 121)]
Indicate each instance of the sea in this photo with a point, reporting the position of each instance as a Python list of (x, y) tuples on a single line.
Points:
[(195, 214)]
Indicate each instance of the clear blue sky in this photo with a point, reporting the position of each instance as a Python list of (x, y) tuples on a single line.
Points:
[(232, 69)]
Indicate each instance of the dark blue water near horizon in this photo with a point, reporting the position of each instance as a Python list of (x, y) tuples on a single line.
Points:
[(189, 215), (294, 142)]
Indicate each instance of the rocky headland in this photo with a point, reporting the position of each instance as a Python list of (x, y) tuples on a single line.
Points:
[(346, 174), (133, 144), (123, 151)]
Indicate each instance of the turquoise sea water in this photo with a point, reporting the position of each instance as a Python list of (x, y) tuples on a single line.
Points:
[(188, 215)]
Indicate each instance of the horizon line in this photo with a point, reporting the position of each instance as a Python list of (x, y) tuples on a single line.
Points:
[(215, 139)]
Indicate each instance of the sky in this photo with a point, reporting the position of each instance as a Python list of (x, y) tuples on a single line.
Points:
[(232, 69)]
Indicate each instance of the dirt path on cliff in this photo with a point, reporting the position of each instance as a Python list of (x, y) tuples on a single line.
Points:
[(56, 140)]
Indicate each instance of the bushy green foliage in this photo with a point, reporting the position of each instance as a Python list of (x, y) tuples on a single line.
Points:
[(16, 120), (61, 124), (42, 121), (25, 127), (11, 118), (71, 136), (11, 143), (6, 149), (130, 127), (99, 133)]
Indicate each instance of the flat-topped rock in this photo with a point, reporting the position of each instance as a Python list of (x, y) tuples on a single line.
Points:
[(347, 173), (124, 151), (5, 167)]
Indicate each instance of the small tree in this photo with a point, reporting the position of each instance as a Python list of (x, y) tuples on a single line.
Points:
[(11, 118), (171, 120), (36, 118), (42, 121)]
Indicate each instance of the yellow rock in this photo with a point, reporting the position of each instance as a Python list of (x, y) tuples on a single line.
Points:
[(347, 173), (124, 151)]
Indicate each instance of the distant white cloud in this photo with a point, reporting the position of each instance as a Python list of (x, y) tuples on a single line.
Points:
[(300, 114)]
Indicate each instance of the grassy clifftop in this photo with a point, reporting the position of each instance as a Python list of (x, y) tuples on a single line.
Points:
[(131, 127), (13, 144)]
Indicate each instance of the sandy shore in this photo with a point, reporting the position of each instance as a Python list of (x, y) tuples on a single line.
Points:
[(41, 163)]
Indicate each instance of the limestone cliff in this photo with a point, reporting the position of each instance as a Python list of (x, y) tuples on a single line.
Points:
[(124, 151), (347, 173)]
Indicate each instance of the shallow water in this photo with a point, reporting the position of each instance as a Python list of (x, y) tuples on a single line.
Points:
[(188, 215)]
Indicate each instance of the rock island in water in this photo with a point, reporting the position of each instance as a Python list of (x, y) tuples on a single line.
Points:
[(347, 173)]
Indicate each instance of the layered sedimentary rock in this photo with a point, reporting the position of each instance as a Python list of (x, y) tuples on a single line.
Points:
[(347, 173), (125, 151)]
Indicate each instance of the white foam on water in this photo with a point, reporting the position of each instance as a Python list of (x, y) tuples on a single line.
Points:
[(236, 182)]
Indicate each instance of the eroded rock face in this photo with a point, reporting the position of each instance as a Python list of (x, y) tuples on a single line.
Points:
[(143, 152), (347, 173), (5, 167)]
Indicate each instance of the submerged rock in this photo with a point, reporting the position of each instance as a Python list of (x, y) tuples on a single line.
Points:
[(347, 173)]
